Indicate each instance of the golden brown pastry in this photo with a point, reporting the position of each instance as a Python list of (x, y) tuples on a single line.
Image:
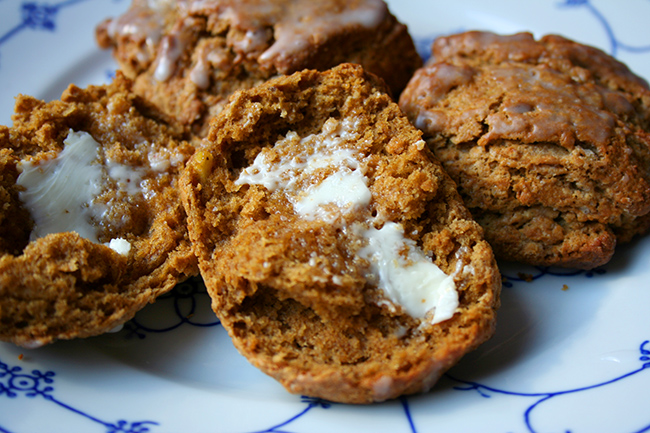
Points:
[(548, 141), (337, 252), (91, 227), (188, 56)]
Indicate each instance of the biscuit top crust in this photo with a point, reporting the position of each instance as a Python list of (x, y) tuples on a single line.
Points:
[(188, 57), (276, 33), (554, 72), (538, 106), (548, 141)]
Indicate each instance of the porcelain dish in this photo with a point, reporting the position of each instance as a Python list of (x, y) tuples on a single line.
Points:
[(571, 352)]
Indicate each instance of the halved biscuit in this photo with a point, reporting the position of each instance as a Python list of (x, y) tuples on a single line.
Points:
[(91, 228), (337, 252)]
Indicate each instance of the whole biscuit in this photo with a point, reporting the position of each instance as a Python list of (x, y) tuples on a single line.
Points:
[(188, 56), (548, 141)]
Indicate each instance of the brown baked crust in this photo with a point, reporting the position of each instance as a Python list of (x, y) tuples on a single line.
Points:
[(271, 274), (62, 286), (548, 141), (220, 46)]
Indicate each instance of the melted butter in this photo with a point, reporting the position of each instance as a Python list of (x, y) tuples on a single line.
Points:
[(62, 193), (406, 276), (58, 191), (120, 246), (346, 190), (302, 158), (128, 178)]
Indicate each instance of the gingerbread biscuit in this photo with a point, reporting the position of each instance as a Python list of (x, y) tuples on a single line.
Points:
[(548, 141), (188, 56), (337, 252), (92, 227)]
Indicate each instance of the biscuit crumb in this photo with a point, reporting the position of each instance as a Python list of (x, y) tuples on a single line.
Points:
[(526, 277), (565, 287), (20, 357)]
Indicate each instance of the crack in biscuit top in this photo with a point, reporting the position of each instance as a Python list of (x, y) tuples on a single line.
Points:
[(323, 177)]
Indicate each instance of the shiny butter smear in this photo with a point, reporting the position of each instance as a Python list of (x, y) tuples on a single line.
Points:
[(60, 192), (296, 167)]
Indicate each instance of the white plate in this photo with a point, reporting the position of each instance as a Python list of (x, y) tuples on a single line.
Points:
[(571, 348)]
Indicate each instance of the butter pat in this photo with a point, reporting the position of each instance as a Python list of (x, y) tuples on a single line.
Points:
[(303, 157), (58, 192), (120, 246), (63, 194), (296, 166), (346, 190), (407, 277)]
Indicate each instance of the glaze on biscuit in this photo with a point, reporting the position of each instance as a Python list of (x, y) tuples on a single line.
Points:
[(548, 141), (188, 56)]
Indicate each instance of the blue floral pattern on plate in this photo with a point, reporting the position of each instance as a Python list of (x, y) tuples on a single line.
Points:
[(185, 311), (15, 382), (542, 397), (36, 16)]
